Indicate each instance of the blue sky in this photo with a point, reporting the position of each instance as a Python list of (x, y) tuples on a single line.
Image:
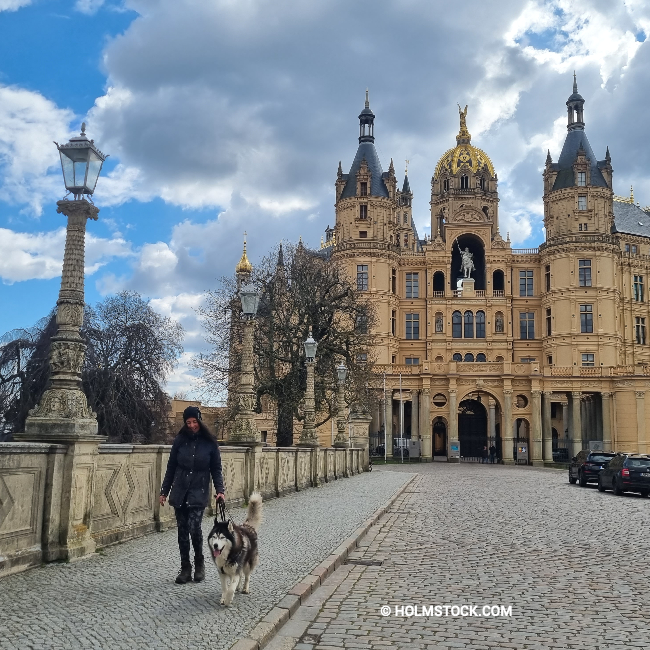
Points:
[(224, 116)]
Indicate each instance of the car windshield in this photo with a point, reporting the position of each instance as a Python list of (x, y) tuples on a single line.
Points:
[(599, 458), (638, 463)]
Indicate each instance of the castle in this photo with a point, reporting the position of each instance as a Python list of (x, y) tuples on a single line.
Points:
[(539, 352)]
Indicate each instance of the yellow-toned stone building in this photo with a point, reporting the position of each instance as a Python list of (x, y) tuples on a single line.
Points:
[(538, 352)]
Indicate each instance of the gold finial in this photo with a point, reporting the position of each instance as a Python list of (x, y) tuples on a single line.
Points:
[(406, 171), (244, 266)]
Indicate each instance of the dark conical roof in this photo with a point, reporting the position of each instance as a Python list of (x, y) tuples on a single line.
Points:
[(576, 140), (406, 188)]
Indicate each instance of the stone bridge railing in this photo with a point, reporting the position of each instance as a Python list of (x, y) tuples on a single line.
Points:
[(62, 501)]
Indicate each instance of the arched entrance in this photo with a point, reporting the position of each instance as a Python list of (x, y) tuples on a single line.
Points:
[(439, 434), (473, 430)]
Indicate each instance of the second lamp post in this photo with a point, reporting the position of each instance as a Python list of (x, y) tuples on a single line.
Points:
[(309, 437)]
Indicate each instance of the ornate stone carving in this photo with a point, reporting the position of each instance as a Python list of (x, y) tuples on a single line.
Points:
[(67, 357), (63, 403), (467, 216)]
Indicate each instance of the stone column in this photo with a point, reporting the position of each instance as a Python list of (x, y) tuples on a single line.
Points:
[(547, 429), (360, 439), (640, 421), (308, 436), (575, 431), (243, 430), (536, 428), (607, 421), (425, 424), (506, 437), (492, 422), (453, 421), (415, 415)]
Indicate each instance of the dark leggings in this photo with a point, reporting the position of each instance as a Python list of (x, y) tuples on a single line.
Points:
[(189, 526)]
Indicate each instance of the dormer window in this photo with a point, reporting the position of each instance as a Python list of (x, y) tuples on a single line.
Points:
[(464, 182), (582, 179), (363, 212), (482, 183), (363, 189)]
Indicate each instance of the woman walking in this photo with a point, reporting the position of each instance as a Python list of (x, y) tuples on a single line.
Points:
[(194, 458)]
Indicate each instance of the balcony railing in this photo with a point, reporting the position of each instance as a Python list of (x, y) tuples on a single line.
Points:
[(438, 294), (525, 251), (498, 293)]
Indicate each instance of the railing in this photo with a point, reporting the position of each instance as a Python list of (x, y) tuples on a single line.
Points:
[(397, 369), (525, 251), (623, 370), (591, 372), (492, 367), (562, 372), (438, 294), (498, 293), (480, 293)]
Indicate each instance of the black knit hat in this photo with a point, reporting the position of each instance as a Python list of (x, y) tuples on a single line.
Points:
[(192, 412)]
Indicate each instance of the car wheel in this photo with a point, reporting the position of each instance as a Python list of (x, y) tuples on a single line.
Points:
[(617, 490), (601, 487), (571, 479), (582, 480)]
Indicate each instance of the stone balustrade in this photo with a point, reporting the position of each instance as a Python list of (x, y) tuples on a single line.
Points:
[(57, 503)]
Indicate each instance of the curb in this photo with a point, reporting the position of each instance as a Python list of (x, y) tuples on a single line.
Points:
[(269, 626)]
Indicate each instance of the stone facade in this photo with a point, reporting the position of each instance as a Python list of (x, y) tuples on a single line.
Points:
[(540, 351)]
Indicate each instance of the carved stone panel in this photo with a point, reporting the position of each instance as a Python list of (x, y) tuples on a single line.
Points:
[(19, 501)]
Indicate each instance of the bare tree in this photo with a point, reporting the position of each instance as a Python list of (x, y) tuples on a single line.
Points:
[(301, 291)]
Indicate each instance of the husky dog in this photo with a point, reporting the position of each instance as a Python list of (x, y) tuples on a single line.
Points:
[(234, 550)]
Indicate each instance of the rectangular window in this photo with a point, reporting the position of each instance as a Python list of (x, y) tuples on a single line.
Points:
[(362, 358), (639, 325), (363, 212), (528, 359), (547, 277), (412, 361), (361, 325), (582, 202), (588, 360), (393, 322), (393, 281), (627, 248), (406, 218), (412, 285), (362, 277), (584, 273), (638, 288), (582, 179), (549, 360), (363, 234), (580, 227), (412, 326), (548, 322), (527, 324), (363, 187), (586, 319), (634, 249), (525, 283), (586, 227)]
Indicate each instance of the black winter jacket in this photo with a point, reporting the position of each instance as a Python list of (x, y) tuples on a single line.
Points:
[(192, 460)]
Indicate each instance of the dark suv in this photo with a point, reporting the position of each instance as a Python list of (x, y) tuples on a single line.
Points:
[(626, 473), (587, 465)]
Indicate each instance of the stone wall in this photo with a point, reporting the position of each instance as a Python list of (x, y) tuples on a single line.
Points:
[(59, 502)]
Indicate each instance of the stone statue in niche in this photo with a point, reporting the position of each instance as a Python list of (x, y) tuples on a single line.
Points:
[(498, 322), (467, 263), (439, 323)]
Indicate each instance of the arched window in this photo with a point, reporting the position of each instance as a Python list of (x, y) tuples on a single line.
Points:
[(469, 357), (480, 324), (464, 182), (497, 281), (480, 357), (482, 183), (457, 357), (438, 281), (457, 325), (445, 185), (469, 325)]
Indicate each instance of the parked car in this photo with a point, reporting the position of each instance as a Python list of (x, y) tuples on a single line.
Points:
[(626, 473), (587, 465)]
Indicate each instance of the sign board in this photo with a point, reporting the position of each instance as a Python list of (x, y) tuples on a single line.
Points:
[(414, 448), (522, 451), (454, 449), (595, 445)]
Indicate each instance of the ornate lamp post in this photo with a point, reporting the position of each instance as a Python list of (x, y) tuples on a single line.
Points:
[(309, 437), (244, 430), (63, 409), (341, 439)]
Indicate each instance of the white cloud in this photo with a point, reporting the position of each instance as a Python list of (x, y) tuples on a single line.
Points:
[(12, 5), (39, 256), (88, 7)]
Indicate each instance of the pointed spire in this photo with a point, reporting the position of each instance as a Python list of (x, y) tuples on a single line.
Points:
[(406, 188), (575, 83), (244, 266), (367, 99), (608, 158), (391, 168), (280, 261), (339, 173), (549, 160)]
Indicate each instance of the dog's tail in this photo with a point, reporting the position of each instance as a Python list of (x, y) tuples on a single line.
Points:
[(254, 514)]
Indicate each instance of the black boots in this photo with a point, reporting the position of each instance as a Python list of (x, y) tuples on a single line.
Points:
[(185, 574), (199, 569)]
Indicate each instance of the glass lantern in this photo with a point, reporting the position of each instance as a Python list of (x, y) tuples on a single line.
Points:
[(81, 163)]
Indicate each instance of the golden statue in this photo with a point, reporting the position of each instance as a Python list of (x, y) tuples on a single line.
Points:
[(463, 116)]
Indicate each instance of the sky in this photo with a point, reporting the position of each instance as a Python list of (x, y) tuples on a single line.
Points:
[(225, 116)]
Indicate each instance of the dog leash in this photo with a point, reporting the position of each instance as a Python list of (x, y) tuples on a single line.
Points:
[(223, 513)]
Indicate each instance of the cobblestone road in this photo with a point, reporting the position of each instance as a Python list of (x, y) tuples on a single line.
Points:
[(126, 597), (572, 562)]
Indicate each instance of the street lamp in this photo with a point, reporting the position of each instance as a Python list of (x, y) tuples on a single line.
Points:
[(244, 430), (308, 436), (341, 439), (63, 410)]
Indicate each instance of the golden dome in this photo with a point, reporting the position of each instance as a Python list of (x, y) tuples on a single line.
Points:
[(244, 265), (464, 154)]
